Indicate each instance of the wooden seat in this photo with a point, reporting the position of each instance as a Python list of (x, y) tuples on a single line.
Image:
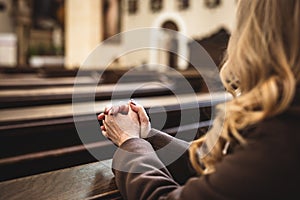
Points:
[(90, 181)]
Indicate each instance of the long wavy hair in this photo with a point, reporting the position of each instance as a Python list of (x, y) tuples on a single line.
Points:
[(261, 70)]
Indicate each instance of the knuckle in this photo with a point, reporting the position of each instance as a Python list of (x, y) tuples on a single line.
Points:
[(144, 120)]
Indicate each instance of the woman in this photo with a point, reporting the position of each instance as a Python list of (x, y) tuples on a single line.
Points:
[(257, 152)]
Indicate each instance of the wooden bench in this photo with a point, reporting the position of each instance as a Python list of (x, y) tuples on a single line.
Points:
[(31, 81), (65, 94), (46, 137), (90, 181), (30, 89), (70, 172)]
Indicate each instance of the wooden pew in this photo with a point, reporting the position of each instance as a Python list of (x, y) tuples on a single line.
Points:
[(87, 77), (90, 181), (23, 81), (30, 90), (64, 94), (45, 137)]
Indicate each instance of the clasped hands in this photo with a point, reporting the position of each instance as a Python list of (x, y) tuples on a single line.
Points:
[(124, 122)]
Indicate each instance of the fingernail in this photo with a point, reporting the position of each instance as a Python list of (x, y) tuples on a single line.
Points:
[(132, 101), (107, 110)]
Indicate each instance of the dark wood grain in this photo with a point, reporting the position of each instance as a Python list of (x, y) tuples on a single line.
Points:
[(90, 181)]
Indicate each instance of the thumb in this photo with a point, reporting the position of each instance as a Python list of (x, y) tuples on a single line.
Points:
[(141, 112), (143, 118)]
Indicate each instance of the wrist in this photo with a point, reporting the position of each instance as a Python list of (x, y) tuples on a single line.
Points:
[(145, 130), (125, 138)]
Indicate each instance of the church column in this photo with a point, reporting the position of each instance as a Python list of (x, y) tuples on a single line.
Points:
[(83, 29)]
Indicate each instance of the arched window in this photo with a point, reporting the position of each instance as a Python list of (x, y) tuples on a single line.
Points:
[(132, 6), (183, 4), (212, 3), (172, 44), (156, 5), (111, 18)]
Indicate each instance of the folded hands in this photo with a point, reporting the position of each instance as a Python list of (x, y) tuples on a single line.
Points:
[(124, 122)]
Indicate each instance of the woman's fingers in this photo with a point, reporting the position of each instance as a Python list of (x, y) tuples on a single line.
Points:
[(104, 133), (141, 112), (103, 128), (107, 109), (122, 108), (101, 116), (143, 119), (124, 121)]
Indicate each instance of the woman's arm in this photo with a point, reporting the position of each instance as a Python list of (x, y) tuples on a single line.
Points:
[(139, 173), (173, 153)]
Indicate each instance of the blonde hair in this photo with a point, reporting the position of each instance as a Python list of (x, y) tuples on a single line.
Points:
[(261, 71)]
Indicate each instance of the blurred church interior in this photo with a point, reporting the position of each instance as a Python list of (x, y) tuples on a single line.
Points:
[(49, 62)]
